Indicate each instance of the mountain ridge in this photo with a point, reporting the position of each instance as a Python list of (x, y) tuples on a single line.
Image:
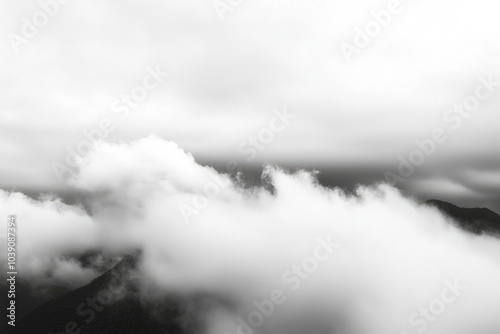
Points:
[(474, 220), (110, 303)]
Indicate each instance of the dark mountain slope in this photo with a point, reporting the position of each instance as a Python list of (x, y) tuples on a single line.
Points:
[(82, 311), (475, 220)]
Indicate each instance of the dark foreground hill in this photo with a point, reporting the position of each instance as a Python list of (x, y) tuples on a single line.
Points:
[(474, 220), (109, 304)]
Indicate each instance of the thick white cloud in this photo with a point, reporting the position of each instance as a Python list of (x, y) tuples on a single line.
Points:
[(48, 233), (394, 256)]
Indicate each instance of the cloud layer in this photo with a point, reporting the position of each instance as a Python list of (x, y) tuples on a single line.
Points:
[(227, 75), (239, 244)]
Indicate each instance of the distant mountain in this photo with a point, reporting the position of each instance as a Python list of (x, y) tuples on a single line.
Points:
[(127, 314), (474, 220)]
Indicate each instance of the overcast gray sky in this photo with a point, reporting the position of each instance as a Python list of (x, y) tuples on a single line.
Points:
[(353, 119)]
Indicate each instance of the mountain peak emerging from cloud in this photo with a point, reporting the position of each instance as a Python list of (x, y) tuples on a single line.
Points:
[(475, 220)]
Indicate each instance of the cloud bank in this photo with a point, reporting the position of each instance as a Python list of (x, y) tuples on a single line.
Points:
[(393, 263)]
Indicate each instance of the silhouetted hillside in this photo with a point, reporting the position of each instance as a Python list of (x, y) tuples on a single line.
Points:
[(83, 309), (475, 220)]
